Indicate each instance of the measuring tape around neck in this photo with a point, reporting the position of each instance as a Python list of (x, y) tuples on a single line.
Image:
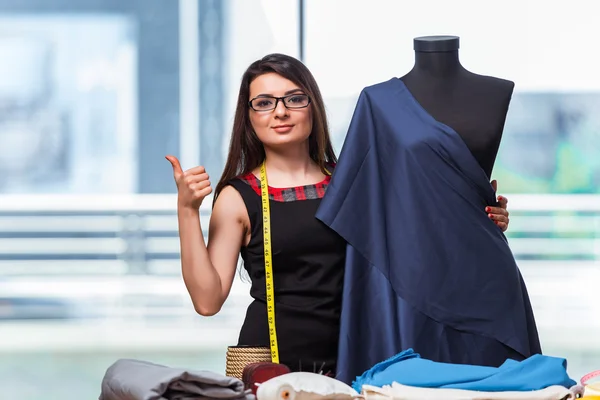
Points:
[(266, 212)]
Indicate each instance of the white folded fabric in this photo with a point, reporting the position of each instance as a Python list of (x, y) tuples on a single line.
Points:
[(401, 392)]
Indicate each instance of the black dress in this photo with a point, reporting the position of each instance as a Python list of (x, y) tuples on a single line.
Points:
[(308, 272)]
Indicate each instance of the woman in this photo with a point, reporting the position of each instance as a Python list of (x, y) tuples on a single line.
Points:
[(280, 120)]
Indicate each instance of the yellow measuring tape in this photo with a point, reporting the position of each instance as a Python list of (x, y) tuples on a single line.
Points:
[(266, 212)]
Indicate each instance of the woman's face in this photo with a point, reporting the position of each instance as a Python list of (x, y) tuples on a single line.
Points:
[(281, 126)]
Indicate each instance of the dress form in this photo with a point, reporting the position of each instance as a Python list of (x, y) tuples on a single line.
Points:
[(475, 106)]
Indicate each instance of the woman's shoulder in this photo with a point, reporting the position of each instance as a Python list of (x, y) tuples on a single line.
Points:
[(243, 186), (229, 201), (247, 180)]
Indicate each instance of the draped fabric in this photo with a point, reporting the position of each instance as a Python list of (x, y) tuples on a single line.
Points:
[(426, 268)]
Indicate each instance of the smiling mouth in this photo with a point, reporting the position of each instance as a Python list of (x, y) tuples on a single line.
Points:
[(282, 126)]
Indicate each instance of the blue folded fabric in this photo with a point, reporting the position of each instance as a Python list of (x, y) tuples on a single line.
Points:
[(408, 368)]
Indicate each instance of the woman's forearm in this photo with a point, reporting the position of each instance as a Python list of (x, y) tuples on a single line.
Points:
[(199, 274)]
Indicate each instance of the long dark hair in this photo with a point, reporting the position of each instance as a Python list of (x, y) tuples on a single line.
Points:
[(246, 152)]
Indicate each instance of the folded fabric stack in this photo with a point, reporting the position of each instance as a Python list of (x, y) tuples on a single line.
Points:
[(408, 376), (401, 392), (404, 376), (306, 385), (141, 380)]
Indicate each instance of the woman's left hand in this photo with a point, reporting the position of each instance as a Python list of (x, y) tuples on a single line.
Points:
[(499, 214)]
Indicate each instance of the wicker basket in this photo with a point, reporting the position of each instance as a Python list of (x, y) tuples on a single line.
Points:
[(240, 356)]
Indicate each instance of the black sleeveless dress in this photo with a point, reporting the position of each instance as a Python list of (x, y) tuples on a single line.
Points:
[(308, 272)]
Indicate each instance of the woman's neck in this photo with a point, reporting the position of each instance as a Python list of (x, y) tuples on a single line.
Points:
[(292, 167)]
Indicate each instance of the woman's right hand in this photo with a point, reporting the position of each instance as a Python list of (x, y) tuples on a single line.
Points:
[(192, 185)]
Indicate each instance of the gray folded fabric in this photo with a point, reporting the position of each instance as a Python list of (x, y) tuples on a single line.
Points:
[(128, 379)]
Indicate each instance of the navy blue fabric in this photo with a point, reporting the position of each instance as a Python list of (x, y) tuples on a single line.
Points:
[(426, 268), (408, 368)]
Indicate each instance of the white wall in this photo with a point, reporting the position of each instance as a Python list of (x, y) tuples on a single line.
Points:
[(538, 44)]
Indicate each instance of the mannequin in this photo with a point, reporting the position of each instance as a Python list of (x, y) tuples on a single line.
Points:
[(475, 106)]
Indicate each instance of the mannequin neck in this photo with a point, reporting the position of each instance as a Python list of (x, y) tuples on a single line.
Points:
[(437, 64)]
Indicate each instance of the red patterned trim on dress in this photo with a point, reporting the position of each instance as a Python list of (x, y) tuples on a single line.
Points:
[(306, 192)]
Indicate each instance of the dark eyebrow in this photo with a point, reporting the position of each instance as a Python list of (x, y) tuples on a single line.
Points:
[(285, 94)]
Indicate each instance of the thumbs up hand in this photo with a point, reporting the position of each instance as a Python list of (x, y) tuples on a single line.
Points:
[(192, 185)]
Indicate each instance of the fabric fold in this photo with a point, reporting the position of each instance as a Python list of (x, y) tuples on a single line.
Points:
[(426, 268), (129, 379)]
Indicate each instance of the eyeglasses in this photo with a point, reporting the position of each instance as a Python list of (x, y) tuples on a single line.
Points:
[(267, 103)]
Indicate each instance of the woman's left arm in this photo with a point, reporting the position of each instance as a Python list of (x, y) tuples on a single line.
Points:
[(499, 214)]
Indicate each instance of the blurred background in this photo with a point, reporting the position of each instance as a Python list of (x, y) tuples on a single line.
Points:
[(94, 94)]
